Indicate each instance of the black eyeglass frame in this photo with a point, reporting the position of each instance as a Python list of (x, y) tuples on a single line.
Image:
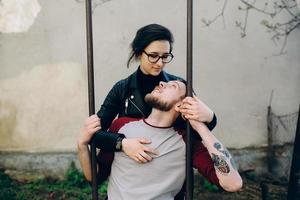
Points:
[(159, 57)]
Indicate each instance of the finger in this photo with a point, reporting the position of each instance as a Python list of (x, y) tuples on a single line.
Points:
[(191, 102), (182, 107), (146, 156), (92, 120), (150, 150), (187, 100), (189, 106), (183, 111), (95, 123), (137, 160), (188, 111), (144, 141), (92, 126), (93, 117), (191, 117), (141, 158), (195, 97), (94, 130)]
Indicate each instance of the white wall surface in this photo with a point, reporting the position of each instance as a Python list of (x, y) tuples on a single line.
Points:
[(43, 82)]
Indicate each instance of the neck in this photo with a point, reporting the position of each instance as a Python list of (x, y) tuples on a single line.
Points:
[(143, 72), (162, 118)]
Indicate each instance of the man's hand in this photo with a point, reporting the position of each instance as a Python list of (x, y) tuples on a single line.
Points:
[(91, 125), (135, 149), (194, 108)]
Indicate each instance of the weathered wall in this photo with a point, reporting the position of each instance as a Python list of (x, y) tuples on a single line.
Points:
[(43, 84), (43, 90), (41, 108)]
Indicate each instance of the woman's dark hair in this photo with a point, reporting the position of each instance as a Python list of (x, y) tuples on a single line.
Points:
[(147, 34)]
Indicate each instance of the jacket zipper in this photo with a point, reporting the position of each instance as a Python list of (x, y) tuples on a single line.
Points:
[(126, 106), (134, 106)]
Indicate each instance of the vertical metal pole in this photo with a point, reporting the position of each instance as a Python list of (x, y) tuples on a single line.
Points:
[(270, 140), (90, 69), (189, 144), (295, 167)]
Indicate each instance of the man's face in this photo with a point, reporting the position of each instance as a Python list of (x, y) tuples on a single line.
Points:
[(166, 95)]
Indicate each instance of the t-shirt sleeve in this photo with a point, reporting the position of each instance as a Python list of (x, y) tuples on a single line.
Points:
[(203, 163)]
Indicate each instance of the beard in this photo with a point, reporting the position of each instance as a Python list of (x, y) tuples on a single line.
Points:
[(154, 102)]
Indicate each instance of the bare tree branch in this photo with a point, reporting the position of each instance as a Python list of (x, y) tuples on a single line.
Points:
[(221, 14), (251, 6), (279, 30), (243, 26), (279, 8)]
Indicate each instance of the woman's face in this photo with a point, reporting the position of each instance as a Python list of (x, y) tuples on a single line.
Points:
[(158, 47)]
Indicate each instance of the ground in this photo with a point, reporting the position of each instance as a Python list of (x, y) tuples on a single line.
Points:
[(74, 187)]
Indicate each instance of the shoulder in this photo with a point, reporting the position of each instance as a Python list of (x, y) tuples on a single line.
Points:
[(170, 77), (117, 124), (120, 88), (121, 83), (126, 82)]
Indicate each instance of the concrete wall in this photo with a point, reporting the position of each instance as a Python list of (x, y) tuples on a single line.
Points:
[(43, 89)]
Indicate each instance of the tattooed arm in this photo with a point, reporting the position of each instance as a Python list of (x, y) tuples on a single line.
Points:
[(229, 178)]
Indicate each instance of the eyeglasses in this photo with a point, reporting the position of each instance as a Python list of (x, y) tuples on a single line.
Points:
[(154, 58)]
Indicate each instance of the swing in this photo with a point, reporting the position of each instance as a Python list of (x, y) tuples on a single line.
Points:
[(90, 69)]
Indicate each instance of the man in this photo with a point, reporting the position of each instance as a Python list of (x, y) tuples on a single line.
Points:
[(163, 176)]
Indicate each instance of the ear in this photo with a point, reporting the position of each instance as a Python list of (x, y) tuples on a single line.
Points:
[(177, 106), (139, 57)]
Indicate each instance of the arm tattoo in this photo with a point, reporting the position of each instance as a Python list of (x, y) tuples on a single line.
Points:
[(220, 163), (226, 153)]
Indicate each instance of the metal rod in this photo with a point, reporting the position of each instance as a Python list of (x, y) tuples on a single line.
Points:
[(270, 140), (189, 145), (90, 69), (295, 167)]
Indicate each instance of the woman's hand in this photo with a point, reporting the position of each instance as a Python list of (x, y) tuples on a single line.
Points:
[(91, 125), (136, 149), (193, 108)]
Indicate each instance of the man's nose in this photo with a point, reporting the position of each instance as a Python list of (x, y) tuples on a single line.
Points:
[(162, 84)]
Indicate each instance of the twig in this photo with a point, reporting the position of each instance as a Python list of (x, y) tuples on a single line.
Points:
[(280, 30), (221, 14)]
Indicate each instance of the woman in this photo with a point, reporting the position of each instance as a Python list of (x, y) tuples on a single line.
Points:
[(152, 48)]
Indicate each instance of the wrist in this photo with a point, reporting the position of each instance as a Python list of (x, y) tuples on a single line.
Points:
[(119, 143), (124, 144), (201, 128), (81, 139), (81, 145)]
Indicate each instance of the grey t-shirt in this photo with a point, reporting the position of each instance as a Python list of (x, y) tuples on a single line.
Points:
[(160, 179)]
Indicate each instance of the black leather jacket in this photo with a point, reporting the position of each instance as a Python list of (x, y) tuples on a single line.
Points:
[(125, 99)]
